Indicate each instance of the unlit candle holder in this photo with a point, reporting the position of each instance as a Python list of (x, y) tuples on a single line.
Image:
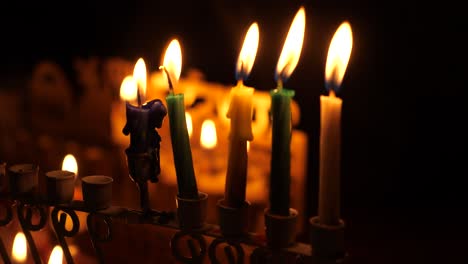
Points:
[(23, 179), (97, 191), (60, 186)]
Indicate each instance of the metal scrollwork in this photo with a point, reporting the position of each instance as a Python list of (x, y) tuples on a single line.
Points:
[(59, 223), (96, 237), (8, 212), (197, 254), (25, 217), (232, 258)]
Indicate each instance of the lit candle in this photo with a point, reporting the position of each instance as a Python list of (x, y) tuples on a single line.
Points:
[(143, 118), (280, 170), (19, 250), (330, 127), (240, 113), (141, 123), (172, 66), (56, 257)]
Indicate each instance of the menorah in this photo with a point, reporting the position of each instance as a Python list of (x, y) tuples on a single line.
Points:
[(194, 240)]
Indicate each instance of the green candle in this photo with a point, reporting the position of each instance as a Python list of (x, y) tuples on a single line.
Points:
[(280, 168), (280, 175), (181, 147), (187, 185)]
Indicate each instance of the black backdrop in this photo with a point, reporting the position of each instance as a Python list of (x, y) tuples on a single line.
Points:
[(403, 146)]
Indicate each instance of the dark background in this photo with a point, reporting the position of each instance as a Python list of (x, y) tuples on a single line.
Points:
[(404, 149)]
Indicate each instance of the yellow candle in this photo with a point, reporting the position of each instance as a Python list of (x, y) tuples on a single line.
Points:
[(240, 114), (330, 126)]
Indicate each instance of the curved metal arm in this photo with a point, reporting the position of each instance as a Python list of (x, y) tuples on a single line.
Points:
[(27, 225), (95, 236), (3, 222), (59, 223), (237, 258), (197, 253)]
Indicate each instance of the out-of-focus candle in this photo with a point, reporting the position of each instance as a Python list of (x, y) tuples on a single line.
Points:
[(128, 93), (188, 119), (19, 251), (182, 153), (208, 137), (240, 113), (56, 257), (330, 126), (280, 172), (69, 164)]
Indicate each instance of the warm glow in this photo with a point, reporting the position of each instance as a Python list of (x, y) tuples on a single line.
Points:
[(338, 56), (208, 138), (248, 52), (139, 74), (188, 120), (173, 61), (56, 257), (128, 89), (69, 164), (248, 146), (292, 47), (19, 251)]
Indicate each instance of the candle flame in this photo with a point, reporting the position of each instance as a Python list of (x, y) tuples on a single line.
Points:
[(19, 250), (188, 121), (173, 61), (292, 47), (128, 89), (69, 164), (56, 257), (248, 146), (208, 138), (139, 74), (338, 56), (248, 52)]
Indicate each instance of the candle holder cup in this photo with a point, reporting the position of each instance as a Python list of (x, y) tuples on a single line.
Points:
[(97, 191), (192, 213), (233, 222), (280, 230), (327, 241), (23, 180), (60, 186)]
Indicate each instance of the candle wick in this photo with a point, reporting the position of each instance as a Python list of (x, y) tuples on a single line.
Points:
[(171, 88), (240, 74), (138, 96), (280, 84), (282, 74)]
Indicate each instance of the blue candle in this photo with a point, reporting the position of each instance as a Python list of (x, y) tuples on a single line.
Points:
[(142, 121)]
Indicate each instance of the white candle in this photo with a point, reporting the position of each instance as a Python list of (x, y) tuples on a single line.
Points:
[(330, 126)]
